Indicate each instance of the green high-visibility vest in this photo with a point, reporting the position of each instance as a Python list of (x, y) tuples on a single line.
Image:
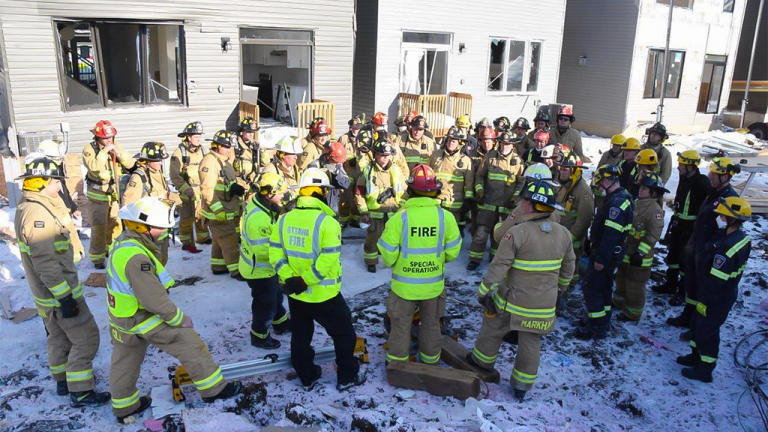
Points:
[(121, 300), (428, 238), (372, 192), (254, 242)]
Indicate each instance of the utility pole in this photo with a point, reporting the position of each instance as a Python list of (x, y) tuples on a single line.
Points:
[(660, 109), (745, 102)]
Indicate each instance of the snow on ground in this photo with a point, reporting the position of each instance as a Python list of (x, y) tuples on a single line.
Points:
[(620, 383)]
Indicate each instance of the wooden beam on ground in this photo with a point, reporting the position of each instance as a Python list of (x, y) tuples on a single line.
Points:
[(437, 380), (455, 355)]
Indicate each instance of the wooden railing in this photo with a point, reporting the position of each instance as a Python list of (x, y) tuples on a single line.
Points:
[(249, 110), (461, 103), (435, 108), (306, 112)]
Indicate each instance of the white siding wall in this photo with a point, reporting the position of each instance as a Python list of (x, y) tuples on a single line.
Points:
[(604, 32), (472, 23), (32, 60), (363, 93), (705, 29)]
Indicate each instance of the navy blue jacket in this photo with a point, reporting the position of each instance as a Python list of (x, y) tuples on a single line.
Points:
[(706, 221), (725, 257), (610, 226)]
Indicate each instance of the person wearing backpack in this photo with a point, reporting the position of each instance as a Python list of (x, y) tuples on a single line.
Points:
[(185, 177)]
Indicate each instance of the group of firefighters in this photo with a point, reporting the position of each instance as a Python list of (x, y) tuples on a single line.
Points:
[(274, 219)]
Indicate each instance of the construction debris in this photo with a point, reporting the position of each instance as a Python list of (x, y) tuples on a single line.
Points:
[(439, 381), (455, 355)]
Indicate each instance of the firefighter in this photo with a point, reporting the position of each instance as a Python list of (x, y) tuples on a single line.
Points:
[(416, 147), (400, 125), (540, 122), (537, 171), (521, 128), (141, 313), (578, 203), (320, 134), (464, 124), (646, 162), (246, 156), (656, 135), (613, 155), (721, 171), (148, 180), (608, 235), (306, 252), (496, 184), (635, 269), (56, 151), (98, 157), (628, 167), (724, 257), (284, 164), (486, 141), (454, 170), (377, 131), (534, 263), (47, 257), (185, 177), (332, 164), (502, 124), (692, 190), (379, 193), (565, 134), (417, 244), (258, 223), (533, 155), (480, 126), (221, 203), (347, 208)]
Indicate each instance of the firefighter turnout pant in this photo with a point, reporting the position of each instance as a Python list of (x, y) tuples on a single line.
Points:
[(128, 351), (336, 319), (105, 227), (266, 305), (690, 264), (370, 250), (486, 221), (400, 312), (678, 238), (225, 254), (597, 289), (705, 326), (486, 350), (348, 212), (72, 345), (630, 290), (191, 223)]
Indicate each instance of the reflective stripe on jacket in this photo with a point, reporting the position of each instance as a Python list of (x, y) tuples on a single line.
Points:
[(257, 227), (417, 242)]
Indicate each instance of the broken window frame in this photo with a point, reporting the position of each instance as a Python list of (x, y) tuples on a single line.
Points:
[(98, 59), (526, 74), (441, 43), (659, 63)]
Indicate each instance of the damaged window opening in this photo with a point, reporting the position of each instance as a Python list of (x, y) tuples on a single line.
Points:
[(112, 64), (654, 73), (514, 66)]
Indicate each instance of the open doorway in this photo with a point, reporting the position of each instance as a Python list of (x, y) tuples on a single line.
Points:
[(424, 63), (276, 70)]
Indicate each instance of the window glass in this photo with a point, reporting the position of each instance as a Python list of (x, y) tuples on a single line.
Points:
[(81, 85), (164, 64), (728, 5), (654, 73), (533, 73), (496, 64), (120, 55), (255, 33), (515, 65), (427, 38)]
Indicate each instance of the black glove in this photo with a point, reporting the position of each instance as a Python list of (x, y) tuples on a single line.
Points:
[(384, 196), (488, 304), (466, 206), (236, 190), (69, 308), (636, 259), (294, 285)]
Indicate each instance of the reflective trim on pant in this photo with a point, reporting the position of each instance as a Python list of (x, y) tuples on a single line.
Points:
[(225, 249), (72, 345), (105, 227), (400, 312)]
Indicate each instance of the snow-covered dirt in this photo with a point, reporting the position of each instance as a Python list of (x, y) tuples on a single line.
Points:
[(620, 383)]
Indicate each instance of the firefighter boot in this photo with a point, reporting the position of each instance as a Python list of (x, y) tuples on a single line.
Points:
[(473, 265), (519, 395), (61, 388), (282, 328), (231, 389), (268, 343), (700, 372), (88, 398), (191, 249), (688, 360), (360, 379), (144, 403)]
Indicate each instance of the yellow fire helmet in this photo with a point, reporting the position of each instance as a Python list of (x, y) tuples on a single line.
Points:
[(735, 207), (631, 144), (689, 157), (272, 184), (464, 122), (647, 157), (724, 165), (618, 139)]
